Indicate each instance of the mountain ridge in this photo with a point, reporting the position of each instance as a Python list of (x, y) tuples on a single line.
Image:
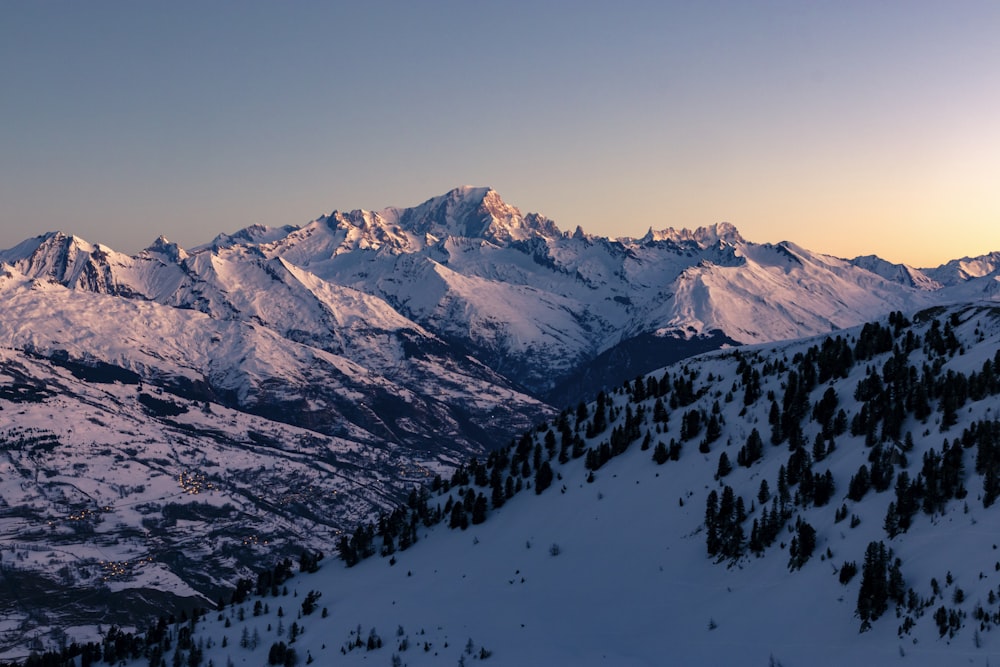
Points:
[(536, 305)]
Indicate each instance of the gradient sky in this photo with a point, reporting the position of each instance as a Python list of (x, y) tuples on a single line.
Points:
[(848, 127)]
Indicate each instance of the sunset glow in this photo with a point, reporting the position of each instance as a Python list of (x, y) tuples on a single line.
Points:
[(849, 128)]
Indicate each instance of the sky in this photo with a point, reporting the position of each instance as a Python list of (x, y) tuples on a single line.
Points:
[(850, 128)]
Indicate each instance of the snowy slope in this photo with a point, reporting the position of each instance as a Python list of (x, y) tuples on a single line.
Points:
[(267, 337), (118, 500), (900, 273), (614, 569)]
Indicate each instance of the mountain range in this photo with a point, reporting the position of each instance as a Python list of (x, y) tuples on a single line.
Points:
[(171, 418), (532, 303)]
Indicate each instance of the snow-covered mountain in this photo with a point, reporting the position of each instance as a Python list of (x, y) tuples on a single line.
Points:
[(169, 417), (259, 335), (541, 307), (827, 501)]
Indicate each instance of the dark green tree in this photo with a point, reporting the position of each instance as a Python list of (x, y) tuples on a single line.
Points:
[(803, 544), (479, 508), (660, 454), (873, 595), (543, 478), (724, 467)]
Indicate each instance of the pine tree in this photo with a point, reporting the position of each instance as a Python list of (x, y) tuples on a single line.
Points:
[(859, 484), (756, 542), (690, 425), (479, 508), (803, 544), (458, 517), (712, 541), (873, 595), (819, 448), (774, 419), (896, 585), (713, 429), (497, 495), (752, 451), (660, 415), (724, 467)]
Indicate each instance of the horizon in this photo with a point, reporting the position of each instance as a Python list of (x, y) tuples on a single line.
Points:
[(848, 128), (564, 230)]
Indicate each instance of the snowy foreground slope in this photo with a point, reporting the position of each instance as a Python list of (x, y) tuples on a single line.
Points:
[(620, 559)]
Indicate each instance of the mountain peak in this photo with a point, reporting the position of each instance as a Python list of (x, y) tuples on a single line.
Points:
[(958, 271), (722, 232), (161, 246), (471, 212), (471, 192), (255, 234), (62, 239), (56, 244)]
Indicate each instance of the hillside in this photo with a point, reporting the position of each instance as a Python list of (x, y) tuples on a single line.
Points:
[(881, 453), (119, 500)]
